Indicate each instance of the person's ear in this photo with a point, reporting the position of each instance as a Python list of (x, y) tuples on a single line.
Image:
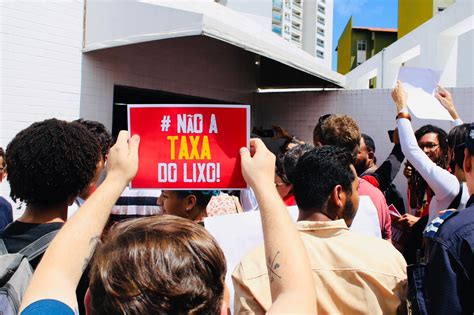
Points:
[(190, 202), (371, 155), (337, 200), (317, 144), (467, 165), (337, 196)]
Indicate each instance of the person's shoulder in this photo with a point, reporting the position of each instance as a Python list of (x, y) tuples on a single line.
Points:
[(384, 249), (459, 225), (25, 233), (4, 202), (367, 189), (252, 264)]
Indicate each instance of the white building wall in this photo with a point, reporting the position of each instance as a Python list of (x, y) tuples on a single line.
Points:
[(168, 66), (373, 110), (258, 10), (40, 62), (261, 12), (442, 43), (309, 29), (310, 26), (328, 48)]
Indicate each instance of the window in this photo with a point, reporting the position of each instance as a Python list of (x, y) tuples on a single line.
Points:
[(276, 3), (323, 1), (296, 14), (287, 16), (319, 54), (320, 42), (321, 9), (362, 45), (321, 20), (276, 29), (440, 9), (296, 38), (296, 25), (286, 29), (361, 51), (320, 31), (287, 3)]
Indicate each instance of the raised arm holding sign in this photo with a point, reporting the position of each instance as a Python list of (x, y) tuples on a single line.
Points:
[(190, 146)]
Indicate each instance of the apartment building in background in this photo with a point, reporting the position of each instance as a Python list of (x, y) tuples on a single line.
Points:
[(308, 24), (412, 14), (357, 44)]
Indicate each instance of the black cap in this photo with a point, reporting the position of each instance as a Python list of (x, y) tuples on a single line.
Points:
[(470, 139)]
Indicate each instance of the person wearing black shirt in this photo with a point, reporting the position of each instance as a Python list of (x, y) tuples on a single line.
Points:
[(49, 164)]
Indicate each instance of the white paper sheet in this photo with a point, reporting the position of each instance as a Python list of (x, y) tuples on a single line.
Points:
[(420, 85), (366, 220), (237, 234)]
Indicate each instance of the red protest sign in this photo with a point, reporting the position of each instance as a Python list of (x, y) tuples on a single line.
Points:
[(190, 146)]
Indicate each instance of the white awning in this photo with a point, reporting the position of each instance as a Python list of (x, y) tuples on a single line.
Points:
[(118, 23)]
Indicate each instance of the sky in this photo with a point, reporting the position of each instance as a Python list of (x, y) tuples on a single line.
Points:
[(373, 13)]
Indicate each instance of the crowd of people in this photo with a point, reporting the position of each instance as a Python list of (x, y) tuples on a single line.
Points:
[(356, 247)]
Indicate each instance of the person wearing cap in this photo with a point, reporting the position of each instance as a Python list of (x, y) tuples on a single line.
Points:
[(188, 204), (444, 283)]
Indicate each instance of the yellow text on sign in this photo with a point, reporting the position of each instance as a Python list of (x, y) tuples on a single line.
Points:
[(189, 147)]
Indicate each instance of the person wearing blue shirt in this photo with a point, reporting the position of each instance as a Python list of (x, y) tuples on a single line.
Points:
[(446, 283)]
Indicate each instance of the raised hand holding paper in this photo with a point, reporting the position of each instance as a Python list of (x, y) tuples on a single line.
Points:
[(420, 85), (190, 146)]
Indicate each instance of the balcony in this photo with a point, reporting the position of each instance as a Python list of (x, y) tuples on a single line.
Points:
[(296, 25), (296, 14)]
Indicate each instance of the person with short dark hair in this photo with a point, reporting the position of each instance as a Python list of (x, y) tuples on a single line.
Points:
[(6, 211), (102, 135), (188, 204), (285, 165), (104, 139), (381, 176), (346, 265), (366, 159)]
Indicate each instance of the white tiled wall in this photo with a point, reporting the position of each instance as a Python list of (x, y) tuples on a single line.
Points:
[(40, 64), (372, 109)]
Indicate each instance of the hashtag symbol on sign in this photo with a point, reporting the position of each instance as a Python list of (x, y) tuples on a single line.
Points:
[(165, 123)]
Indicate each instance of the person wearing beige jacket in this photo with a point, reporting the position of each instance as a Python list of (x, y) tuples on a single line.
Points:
[(352, 273)]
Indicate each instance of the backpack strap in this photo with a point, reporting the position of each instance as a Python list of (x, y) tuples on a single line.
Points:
[(39, 246), (3, 248)]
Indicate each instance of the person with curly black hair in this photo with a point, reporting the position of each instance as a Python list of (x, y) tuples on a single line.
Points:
[(49, 164), (101, 133), (104, 139)]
